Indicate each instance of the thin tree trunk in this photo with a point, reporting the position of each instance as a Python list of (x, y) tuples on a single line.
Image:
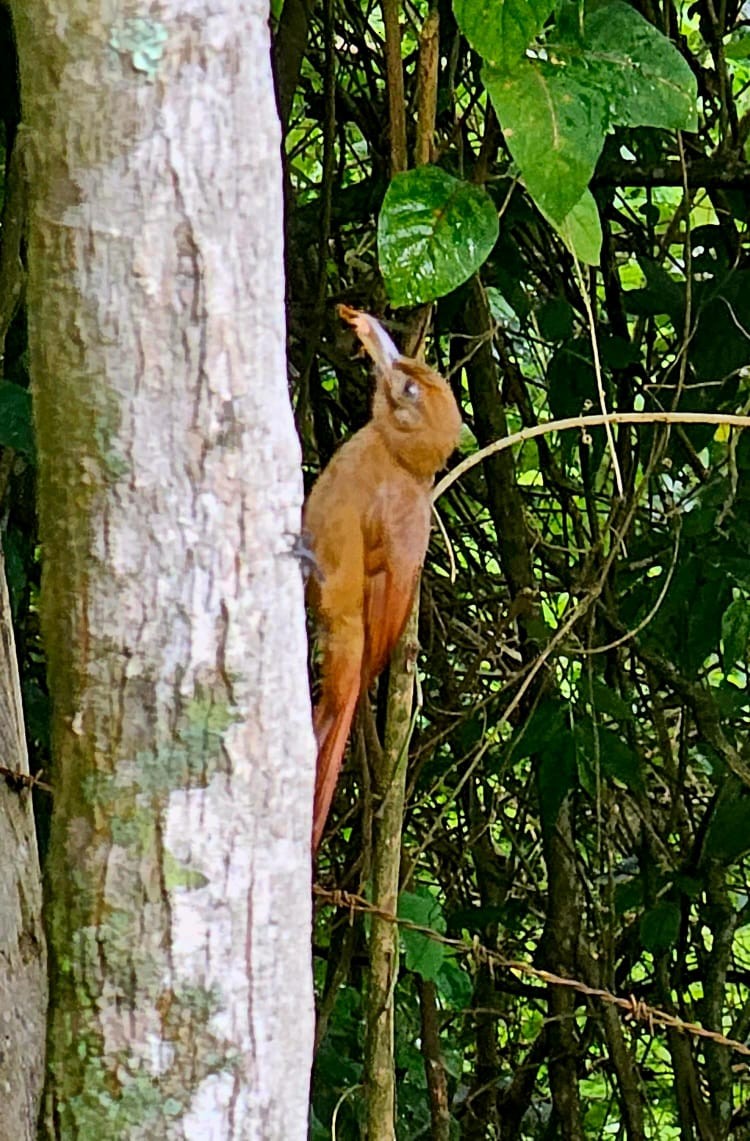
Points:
[(560, 944), (169, 498), (390, 790), (23, 973), (434, 1067)]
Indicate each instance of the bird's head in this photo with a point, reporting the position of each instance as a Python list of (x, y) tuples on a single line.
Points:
[(413, 408)]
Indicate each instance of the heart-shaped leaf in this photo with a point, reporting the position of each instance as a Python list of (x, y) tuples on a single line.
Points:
[(434, 231), (554, 121), (501, 30), (649, 84)]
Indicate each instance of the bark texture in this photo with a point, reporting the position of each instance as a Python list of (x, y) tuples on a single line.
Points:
[(170, 494), (389, 780), (23, 975)]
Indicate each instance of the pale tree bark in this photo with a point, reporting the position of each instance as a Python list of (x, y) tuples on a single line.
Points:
[(169, 497), (23, 976)]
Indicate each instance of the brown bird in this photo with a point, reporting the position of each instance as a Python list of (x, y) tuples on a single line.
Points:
[(368, 522)]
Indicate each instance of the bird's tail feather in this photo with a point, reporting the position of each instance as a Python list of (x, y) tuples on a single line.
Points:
[(331, 730)]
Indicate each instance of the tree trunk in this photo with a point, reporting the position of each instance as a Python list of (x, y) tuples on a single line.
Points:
[(23, 977), (169, 498), (389, 779)]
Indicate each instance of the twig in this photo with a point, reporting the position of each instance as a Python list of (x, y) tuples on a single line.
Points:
[(583, 423), (591, 650), (598, 374), (447, 541)]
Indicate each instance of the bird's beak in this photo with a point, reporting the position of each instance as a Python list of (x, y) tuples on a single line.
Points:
[(373, 337)]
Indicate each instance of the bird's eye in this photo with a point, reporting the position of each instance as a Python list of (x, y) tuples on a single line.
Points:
[(411, 390)]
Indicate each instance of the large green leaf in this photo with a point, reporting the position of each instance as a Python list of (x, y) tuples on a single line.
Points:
[(501, 30), (648, 82), (423, 954), (434, 231), (555, 111), (554, 120)]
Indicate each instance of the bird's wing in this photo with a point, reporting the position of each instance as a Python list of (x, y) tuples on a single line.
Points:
[(336, 590), (392, 566)]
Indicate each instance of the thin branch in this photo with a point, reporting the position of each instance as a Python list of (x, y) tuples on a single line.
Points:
[(598, 374), (584, 423), (591, 650), (395, 85), (701, 174), (427, 85)]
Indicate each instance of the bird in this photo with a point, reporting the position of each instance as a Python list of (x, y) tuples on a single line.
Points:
[(367, 524)]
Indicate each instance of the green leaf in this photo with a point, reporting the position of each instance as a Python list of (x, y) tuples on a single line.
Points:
[(662, 294), (720, 344), (616, 758), (581, 230), (607, 700), (554, 120), (558, 775), (16, 430), (555, 319), (728, 836), (545, 725), (423, 955), (454, 985), (647, 81), (660, 926), (434, 231), (501, 30), (571, 380), (735, 632), (738, 49), (556, 111)]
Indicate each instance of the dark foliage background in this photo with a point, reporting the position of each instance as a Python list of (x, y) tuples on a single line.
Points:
[(595, 826), (578, 778)]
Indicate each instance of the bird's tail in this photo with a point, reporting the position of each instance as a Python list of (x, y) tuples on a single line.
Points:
[(332, 724)]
